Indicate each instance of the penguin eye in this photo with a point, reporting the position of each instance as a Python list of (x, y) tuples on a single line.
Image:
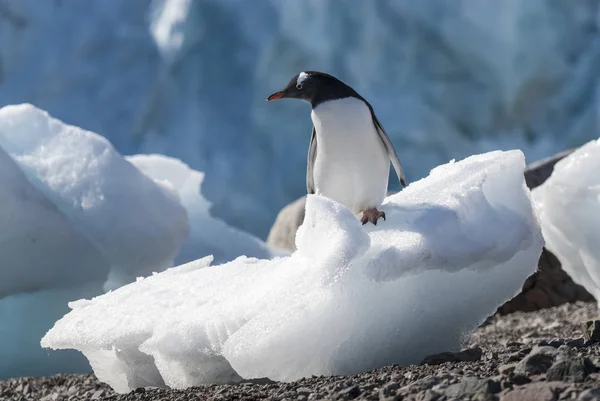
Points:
[(299, 86)]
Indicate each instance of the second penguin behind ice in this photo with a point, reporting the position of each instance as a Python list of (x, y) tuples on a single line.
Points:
[(350, 153)]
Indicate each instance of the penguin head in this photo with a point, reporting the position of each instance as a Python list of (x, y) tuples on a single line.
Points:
[(302, 86), (314, 87)]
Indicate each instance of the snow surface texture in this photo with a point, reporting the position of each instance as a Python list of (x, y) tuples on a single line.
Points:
[(456, 244), (208, 236), (568, 206), (447, 79), (136, 225)]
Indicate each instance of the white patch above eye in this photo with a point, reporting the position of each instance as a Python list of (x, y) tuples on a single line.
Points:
[(301, 78)]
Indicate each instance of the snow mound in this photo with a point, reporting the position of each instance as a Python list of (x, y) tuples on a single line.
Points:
[(137, 226), (568, 206), (455, 246), (208, 236)]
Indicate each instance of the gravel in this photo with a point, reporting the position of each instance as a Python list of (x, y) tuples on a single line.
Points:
[(540, 355)]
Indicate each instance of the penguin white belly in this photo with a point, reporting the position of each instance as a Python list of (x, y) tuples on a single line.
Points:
[(352, 165)]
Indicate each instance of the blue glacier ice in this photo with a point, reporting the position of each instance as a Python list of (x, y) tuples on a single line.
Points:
[(188, 79)]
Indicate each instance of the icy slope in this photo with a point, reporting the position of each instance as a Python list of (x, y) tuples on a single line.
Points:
[(568, 205), (208, 236), (458, 243), (137, 225)]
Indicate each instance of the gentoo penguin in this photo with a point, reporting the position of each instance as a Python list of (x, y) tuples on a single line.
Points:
[(349, 154)]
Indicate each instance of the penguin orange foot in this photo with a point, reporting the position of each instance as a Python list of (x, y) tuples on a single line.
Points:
[(372, 215)]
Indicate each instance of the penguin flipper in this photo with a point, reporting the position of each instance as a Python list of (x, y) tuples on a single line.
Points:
[(312, 156), (390, 149)]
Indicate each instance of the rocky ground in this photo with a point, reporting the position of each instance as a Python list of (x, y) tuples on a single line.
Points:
[(545, 355)]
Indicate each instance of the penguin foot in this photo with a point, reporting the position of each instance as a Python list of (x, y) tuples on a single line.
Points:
[(371, 215)]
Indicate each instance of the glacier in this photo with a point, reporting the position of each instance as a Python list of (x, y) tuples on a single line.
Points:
[(187, 79), (457, 243), (78, 219), (568, 205)]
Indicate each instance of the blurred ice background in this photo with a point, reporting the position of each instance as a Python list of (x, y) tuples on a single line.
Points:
[(188, 79)]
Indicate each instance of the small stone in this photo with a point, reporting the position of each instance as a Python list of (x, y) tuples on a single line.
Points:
[(555, 343), (304, 390), (421, 384), (520, 379), (429, 395), (470, 386), (590, 395), (575, 343), (591, 330), (349, 393), (484, 397), (538, 361), (574, 369), (389, 389), (540, 391), (468, 355), (507, 368), (515, 356)]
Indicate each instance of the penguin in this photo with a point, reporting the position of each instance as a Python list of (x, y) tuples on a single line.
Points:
[(349, 153)]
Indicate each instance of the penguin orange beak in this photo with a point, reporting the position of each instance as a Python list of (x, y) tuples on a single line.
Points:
[(276, 96)]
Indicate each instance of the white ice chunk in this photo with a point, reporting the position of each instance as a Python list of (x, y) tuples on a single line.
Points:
[(137, 225), (39, 247), (208, 236), (568, 205), (454, 247)]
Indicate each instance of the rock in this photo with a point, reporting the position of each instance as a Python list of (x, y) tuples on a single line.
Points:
[(421, 385), (575, 343), (389, 389), (555, 343), (283, 232), (573, 369), (429, 395), (506, 368), (590, 395), (591, 330), (538, 172), (549, 286), (349, 393), (97, 394), (519, 379), (539, 360), (468, 355), (304, 391), (471, 385), (541, 391)]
